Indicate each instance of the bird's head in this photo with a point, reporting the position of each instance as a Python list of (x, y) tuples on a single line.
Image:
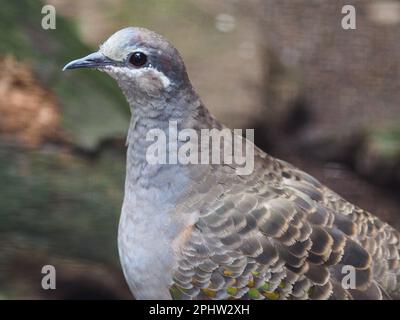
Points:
[(140, 60)]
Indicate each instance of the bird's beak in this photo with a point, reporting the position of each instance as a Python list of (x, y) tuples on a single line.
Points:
[(93, 60)]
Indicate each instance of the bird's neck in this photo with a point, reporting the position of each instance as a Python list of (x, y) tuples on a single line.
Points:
[(182, 108)]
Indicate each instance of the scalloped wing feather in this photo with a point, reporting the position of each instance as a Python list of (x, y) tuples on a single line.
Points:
[(280, 234)]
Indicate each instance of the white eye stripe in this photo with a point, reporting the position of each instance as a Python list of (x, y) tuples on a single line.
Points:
[(163, 78), (123, 72)]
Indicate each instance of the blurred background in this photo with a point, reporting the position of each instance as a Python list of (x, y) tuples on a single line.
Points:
[(321, 97)]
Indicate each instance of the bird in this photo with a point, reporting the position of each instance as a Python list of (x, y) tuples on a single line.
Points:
[(204, 231)]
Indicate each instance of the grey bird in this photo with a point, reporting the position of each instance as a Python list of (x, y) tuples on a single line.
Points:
[(203, 231)]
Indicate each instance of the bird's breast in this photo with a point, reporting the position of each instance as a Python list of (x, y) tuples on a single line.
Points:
[(148, 237)]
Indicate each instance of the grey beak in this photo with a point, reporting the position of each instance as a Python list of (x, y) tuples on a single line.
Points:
[(93, 60)]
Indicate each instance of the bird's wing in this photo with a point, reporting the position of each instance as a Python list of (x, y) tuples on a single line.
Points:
[(280, 234)]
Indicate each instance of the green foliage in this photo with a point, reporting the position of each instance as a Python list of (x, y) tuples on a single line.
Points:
[(386, 141), (88, 99)]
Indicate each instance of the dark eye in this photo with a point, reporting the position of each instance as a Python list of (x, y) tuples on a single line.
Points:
[(138, 59)]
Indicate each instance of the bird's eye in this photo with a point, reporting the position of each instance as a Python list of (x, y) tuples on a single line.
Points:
[(138, 59)]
